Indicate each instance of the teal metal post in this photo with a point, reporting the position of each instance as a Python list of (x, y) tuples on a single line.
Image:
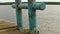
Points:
[(31, 6), (18, 14), (32, 15)]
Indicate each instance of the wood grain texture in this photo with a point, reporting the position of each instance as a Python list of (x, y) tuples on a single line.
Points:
[(6, 24), (11, 28), (7, 27)]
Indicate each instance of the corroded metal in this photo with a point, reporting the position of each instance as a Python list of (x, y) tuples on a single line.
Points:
[(31, 6), (32, 15), (38, 6), (18, 14)]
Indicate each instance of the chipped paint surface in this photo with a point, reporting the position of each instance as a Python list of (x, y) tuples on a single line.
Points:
[(37, 6), (31, 13)]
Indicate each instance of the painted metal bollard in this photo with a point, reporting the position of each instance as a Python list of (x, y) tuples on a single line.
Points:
[(31, 6)]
